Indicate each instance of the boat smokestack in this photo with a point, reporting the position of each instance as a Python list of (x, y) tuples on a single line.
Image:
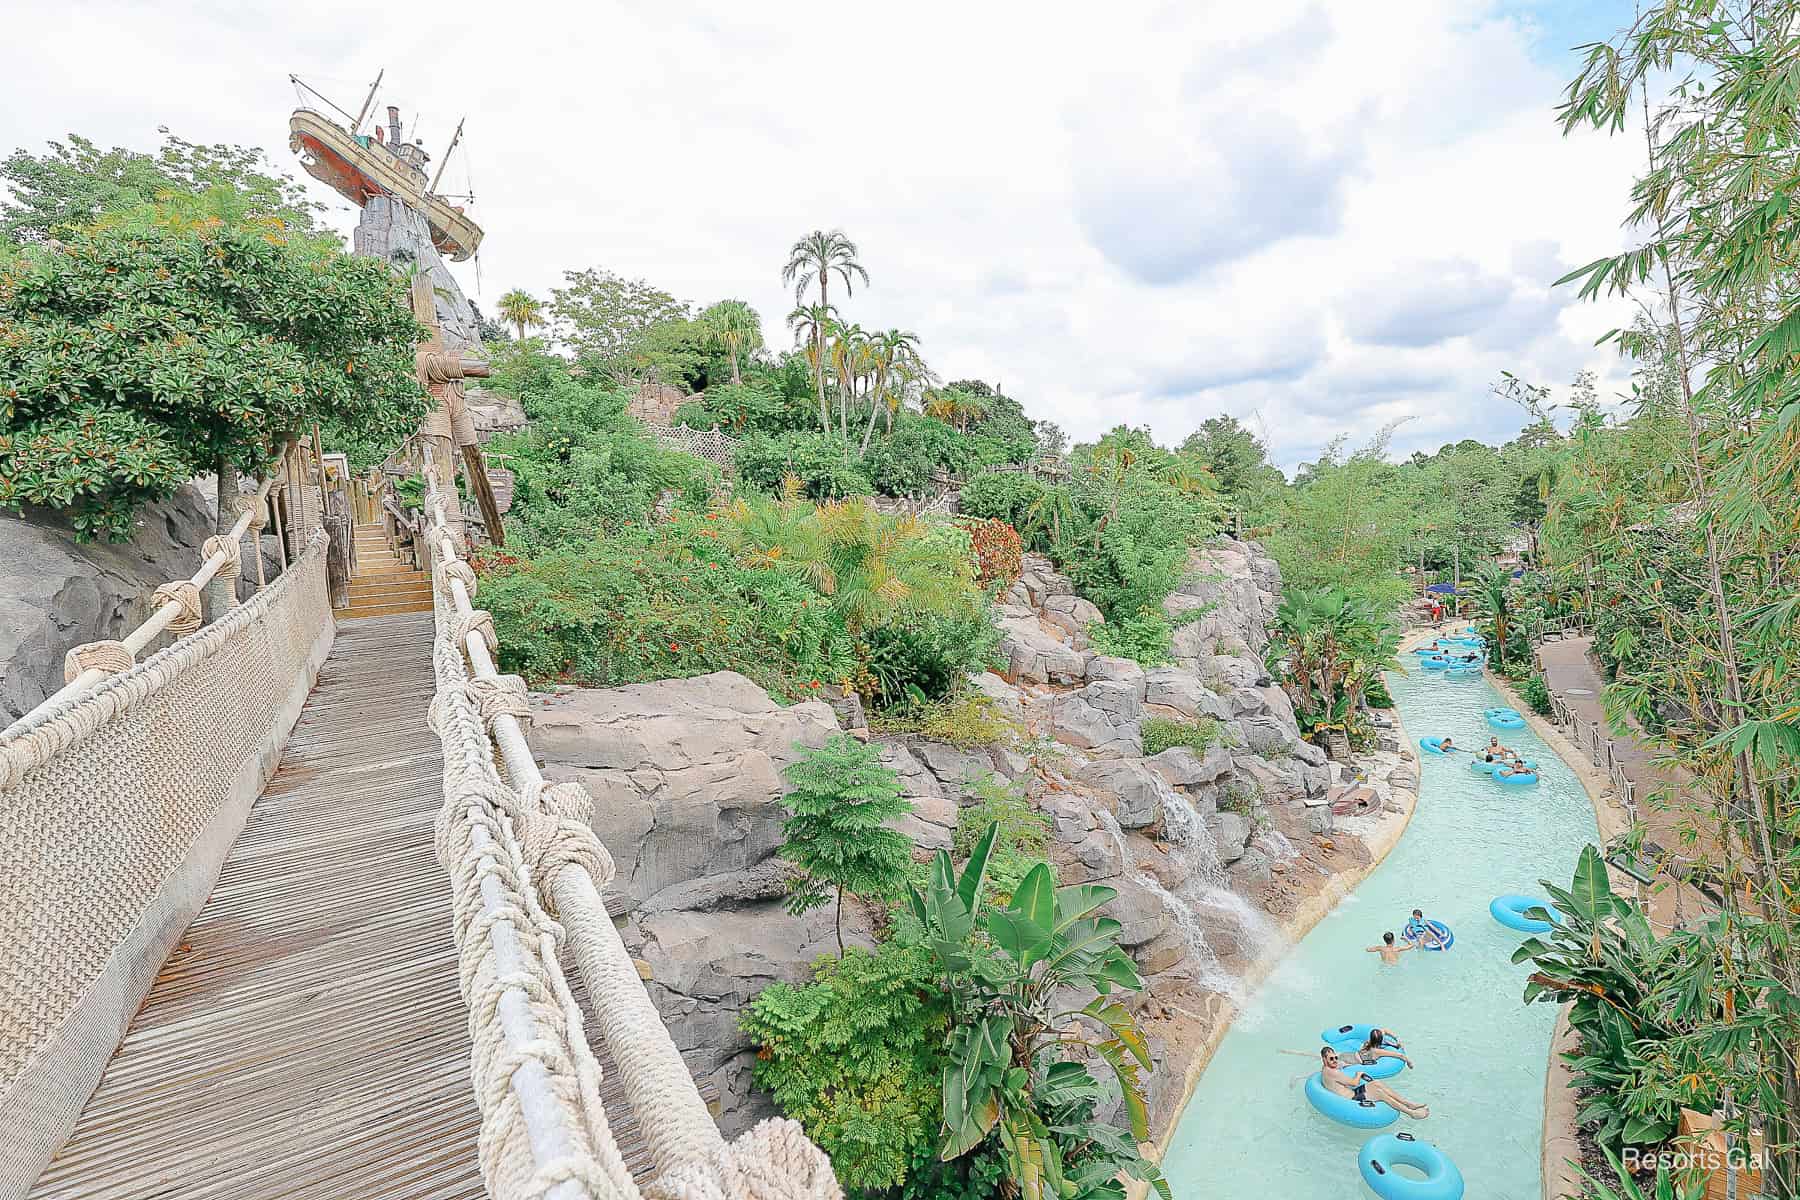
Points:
[(393, 124)]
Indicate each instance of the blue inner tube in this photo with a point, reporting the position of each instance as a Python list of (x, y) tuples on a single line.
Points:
[(1383, 1152), (1436, 662), (1415, 931), (1381, 1068), (1499, 712), (1509, 910), (1426, 650), (1484, 767), (1369, 1114), (1506, 721), (1432, 745), (1517, 779)]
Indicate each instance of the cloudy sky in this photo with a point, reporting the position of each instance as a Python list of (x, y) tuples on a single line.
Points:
[(1320, 217)]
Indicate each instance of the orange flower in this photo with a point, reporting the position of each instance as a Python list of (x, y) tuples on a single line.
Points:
[(674, 645)]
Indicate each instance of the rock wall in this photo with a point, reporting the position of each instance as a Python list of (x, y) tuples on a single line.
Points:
[(1204, 846), (394, 231)]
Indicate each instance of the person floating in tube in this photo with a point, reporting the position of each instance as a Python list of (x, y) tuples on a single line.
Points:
[(1356, 1085), (1423, 933)]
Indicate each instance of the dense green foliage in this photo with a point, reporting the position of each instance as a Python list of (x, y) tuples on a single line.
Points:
[(167, 342), (1021, 832), (855, 1056), (1146, 638), (1333, 646)]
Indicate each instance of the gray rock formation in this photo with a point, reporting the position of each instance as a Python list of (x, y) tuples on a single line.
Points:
[(392, 230), (56, 593), (685, 773)]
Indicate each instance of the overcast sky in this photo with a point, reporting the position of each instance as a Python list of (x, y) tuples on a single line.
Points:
[(1320, 217)]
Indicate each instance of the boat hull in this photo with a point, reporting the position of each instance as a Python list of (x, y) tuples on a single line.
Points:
[(357, 172)]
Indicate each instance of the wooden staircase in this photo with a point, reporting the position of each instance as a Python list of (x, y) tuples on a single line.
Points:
[(383, 585)]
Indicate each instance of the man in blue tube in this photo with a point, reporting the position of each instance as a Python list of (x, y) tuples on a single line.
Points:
[(1356, 1085)]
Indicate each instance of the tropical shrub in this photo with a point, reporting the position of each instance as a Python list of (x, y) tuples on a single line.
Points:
[(178, 340), (1166, 733), (1536, 693), (1001, 496), (855, 1056), (997, 549), (1022, 833), (901, 463), (841, 797), (927, 656), (1332, 646), (661, 602), (1663, 1024), (821, 463), (1145, 637), (967, 720), (1019, 1068)]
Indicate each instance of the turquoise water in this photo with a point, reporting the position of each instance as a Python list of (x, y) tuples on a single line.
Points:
[(1479, 1053)]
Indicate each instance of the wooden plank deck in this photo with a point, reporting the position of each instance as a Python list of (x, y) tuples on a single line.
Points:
[(307, 1038)]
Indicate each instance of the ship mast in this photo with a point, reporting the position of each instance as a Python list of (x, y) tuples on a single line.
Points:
[(362, 115), (448, 151)]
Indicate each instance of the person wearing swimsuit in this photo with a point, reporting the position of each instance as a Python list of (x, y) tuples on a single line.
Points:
[(1361, 1088)]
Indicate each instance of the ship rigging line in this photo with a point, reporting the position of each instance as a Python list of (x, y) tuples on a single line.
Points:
[(301, 86)]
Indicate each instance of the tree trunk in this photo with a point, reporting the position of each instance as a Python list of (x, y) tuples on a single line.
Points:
[(221, 592), (735, 377), (840, 920)]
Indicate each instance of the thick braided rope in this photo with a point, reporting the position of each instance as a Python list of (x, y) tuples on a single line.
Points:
[(54, 729), (456, 569), (478, 843), (185, 593), (111, 658), (773, 1161), (500, 695), (480, 621), (219, 544)]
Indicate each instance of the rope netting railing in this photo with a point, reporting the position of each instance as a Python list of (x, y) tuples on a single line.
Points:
[(526, 871), (119, 799)]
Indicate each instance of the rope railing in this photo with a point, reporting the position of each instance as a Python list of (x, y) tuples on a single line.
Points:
[(178, 611), (526, 871)]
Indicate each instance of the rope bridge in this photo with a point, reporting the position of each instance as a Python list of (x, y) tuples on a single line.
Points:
[(298, 1001)]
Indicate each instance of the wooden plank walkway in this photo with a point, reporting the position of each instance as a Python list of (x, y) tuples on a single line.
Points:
[(307, 1038)]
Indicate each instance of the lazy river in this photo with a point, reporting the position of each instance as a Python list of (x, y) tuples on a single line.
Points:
[(1479, 1053)]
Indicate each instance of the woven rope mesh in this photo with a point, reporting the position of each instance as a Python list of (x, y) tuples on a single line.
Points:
[(715, 447), (113, 788)]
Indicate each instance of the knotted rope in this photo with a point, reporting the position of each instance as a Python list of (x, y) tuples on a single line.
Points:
[(221, 544), (500, 695), (185, 593), (480, 621), (456, 568), (111, 658)]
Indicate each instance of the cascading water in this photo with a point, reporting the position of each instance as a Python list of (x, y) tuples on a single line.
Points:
[(1203, 900)]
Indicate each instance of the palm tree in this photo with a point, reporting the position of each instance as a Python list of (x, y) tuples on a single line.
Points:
[(734, 327), (814, 258), (893, 353), (1053, 511), (522, 310), (809, 323), (849, 345)]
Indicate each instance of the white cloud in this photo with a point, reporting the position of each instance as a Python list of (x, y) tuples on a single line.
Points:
[(1320, 217)]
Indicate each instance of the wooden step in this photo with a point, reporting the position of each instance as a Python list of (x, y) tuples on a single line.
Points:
[(357, 611)]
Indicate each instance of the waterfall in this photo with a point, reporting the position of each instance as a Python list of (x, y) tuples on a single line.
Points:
[(1276, 845), (1203, 892)]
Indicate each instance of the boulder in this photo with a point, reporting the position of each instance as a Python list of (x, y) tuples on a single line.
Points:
[(1003, 695), (1076, 720), (704, 970), (1231, 834), (1139, 911), (685, 773), (1072, 615), (1032, 654), (1138, 789), (1184, 769), (1104, 668), (1181, 690), (1268, 735), (57, 593)]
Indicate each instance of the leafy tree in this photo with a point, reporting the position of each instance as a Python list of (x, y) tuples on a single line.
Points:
[(1334, 644), (734, 327), (855, 1056), (1344, 524), (188, 338), (604, 317), (841, 797), (1235, 457), (894, 358), (67, 187), (815, 258), (1020, 1067), (523, 310)]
